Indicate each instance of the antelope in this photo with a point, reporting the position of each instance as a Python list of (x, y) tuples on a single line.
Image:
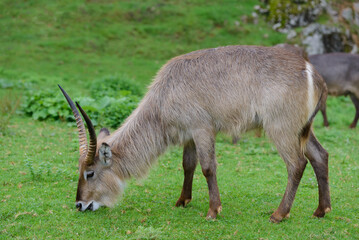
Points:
[(340, 71), (194, 96)]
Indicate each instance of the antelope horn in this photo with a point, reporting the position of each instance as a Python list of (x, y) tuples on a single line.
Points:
[(93, 140), (79, 123)]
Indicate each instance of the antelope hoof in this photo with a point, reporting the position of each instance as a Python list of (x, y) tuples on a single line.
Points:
[(320, 212), (352, 126), (182, 202), (277, 218), (212, 214)]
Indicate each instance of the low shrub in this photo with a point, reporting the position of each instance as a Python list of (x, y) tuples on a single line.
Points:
[(114, 86), (111, 101), (46, 104)]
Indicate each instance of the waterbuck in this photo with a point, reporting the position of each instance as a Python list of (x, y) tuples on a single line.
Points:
[(341, 73), (193, 97)]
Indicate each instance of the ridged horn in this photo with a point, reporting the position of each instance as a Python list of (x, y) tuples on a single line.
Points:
[(79, 123), (93, 140)]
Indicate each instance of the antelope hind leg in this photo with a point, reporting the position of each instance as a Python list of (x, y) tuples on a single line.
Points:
[(295, 172), (318, 158), (189, 166)]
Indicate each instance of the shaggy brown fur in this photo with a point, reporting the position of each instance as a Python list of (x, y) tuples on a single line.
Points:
[(228, 89)]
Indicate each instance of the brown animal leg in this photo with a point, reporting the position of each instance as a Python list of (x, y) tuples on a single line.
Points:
[(318, 158), (324, 113), (205, 147), (235, 140), (189, 166), (355, 100), (295, 172), (258, 132)]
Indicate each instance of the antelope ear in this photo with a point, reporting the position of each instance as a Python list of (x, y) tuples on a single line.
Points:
[(105, 154), (104, 132)]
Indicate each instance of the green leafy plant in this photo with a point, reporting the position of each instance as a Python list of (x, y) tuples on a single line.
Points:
[(118, 110), (113, 86), (111, 101), (46, 104)]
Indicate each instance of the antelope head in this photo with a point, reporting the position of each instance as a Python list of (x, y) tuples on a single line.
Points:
[(98, 185)]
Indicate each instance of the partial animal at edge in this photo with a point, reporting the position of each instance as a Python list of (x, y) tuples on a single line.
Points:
[(340, 71)]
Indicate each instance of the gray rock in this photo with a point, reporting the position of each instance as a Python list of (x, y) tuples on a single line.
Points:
[(322, 39), (347, 14), (276, 26), (310, 29), (356, 13), (354, 50), (331, 12), (292, 34), (255, 17), (305, 17), (314, 44)]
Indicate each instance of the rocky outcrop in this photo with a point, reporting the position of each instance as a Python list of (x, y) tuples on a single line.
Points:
[(321, 39), (287, 14)]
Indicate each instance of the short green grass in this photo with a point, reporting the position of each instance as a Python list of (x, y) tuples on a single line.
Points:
[(73, 42), (38, 177)]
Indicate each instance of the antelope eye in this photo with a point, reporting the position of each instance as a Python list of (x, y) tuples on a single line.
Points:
[(89, 174)]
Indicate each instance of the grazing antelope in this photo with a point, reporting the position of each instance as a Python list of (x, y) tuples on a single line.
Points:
[(193, 97), (340, 71)]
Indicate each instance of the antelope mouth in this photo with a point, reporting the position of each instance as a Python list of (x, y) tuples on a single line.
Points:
[(91, 206)]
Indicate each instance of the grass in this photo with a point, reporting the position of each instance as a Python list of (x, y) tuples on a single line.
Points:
[(39, 178), (73, 42), (70, 42), (9, 103)]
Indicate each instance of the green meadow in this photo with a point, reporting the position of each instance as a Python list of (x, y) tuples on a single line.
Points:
[(76, 43)]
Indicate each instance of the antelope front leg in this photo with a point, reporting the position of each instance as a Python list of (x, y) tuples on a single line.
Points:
[(205, 147), (295, 174), (189, 166)]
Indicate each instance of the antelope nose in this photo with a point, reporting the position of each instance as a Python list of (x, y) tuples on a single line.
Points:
[(78, 206), (90, 207)]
